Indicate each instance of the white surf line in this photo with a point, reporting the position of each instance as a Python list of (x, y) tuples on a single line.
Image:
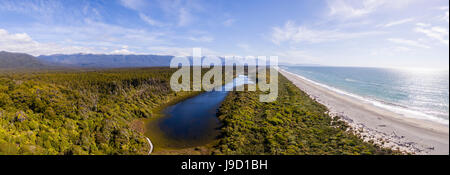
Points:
[(151, 146)]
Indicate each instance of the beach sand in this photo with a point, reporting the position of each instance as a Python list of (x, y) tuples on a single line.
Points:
[(380, 125)]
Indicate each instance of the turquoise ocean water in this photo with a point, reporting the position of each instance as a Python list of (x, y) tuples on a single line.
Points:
[(417, 94)]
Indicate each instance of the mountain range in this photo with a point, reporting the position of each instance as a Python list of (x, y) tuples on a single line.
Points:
[(21, 60), (107, 61), (11, 60)]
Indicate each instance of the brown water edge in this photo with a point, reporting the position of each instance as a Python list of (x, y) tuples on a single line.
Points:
[(163, 145)]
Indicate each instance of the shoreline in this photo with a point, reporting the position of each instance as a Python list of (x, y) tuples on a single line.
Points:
[(380, 125)]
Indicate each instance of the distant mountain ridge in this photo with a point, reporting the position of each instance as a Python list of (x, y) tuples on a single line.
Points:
[(117, 61), (107, 61), (11, 60), (21, 60)]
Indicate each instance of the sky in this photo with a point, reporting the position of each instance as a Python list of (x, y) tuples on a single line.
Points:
[(369, 33)]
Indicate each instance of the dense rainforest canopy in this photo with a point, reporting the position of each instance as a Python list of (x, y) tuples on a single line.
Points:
[(79, 112)]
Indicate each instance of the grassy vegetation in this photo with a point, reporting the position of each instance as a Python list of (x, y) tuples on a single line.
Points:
[(80, 112), (293, 124)]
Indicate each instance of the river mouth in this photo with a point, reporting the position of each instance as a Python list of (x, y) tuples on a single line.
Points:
[(192, 122)]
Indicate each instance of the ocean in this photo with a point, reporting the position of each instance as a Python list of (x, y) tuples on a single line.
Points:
[(417, 94)]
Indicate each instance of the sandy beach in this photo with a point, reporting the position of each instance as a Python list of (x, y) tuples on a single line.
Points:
[(380, 125)]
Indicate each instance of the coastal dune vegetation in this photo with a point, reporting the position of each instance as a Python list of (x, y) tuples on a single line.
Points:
[(294, 124)]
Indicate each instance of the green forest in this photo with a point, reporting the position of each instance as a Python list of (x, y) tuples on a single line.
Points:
[(80, 112), (99, 111)]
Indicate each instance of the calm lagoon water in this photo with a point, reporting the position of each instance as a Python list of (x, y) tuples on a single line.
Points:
[(194, 120), (419, 94)]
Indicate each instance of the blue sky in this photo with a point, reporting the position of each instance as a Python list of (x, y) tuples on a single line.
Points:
[(374, 33)]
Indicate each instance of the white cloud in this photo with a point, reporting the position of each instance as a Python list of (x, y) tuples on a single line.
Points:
[(185, 17), (123, 51), (175, 51), (201, 39), (297, 56), (445, 17), (133, 4), (18, 37), (97, 37), (394, 23), (176, 12), (407, 42), (347, 10), (140, 7), (91, 37), (46, 11), (179, 51), (149, 20), (94, 33), (359, 8), (22, 42), (443, 8), (391, 51), (402, 49), (423, 24), (229, 22), (434, 32), (183, 11), (291, 32), (244, 46)]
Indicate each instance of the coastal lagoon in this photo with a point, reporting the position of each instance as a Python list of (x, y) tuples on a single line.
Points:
[(193, 122)]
